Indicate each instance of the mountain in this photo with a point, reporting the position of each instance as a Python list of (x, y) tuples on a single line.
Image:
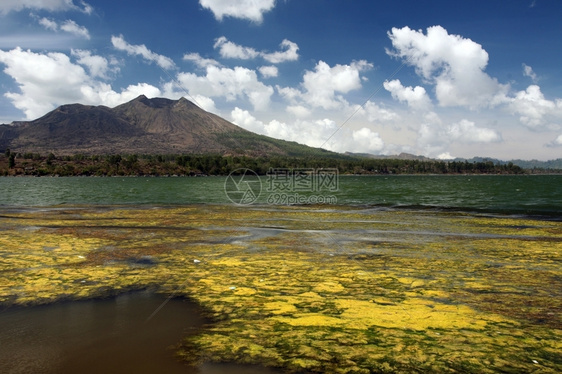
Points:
[(401, 156), (141, 126), (555, 164)]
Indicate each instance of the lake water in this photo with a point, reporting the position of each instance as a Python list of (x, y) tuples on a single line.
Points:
[(120, 334), (527, 195)]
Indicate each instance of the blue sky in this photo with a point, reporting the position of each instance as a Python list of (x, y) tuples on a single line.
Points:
[(436, 78)]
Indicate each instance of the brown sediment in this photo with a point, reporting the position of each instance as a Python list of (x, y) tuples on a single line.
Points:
[(307, 288)]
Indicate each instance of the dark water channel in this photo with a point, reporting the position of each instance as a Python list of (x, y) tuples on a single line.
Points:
[(103, 336)]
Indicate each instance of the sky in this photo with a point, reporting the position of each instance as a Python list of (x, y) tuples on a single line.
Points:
[(442, 79)]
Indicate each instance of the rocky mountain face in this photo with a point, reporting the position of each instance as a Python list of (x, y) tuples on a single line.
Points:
[(141, 126)]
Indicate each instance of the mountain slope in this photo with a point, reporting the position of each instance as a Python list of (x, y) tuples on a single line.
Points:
[(142, 126)]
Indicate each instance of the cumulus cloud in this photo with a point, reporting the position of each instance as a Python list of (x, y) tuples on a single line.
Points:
[(299, 111), (7, 6), (534, 110), (252, 10), (141, 50), (317, 133), (231, 84), (228, 49), (455, 65), (48, 80), (416, 97), (205, 103), (268, 71), (456, 68), (322, 88), (375, 113), (435, 137), (289, 53), (200, 61), (467, 132), (98, 66), (528, 72), (432, 139), (365, 140), (445, 156)]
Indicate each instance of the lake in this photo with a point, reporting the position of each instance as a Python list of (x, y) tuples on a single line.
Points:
[(527, 194)]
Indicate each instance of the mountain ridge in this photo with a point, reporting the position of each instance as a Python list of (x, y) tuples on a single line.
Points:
[(141, 126)]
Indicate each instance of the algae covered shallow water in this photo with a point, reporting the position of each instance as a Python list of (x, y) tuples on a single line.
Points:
[(353, 288)]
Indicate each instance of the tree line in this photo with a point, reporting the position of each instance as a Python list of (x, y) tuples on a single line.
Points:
[(209, 164)]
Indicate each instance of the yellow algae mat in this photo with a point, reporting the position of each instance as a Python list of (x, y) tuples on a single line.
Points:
[(312, 289)]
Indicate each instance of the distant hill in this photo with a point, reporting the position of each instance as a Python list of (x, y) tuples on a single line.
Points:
[(141, 126), (525, 164), (401, 156)]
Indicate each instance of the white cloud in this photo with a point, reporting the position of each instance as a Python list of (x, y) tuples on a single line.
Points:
[(377, 114), (48, 80), (435, 137), (7, 6), (73, 28), (49, 24), (269, 71), (321, 87), (445, 156), (432, 139), (416, 97), (365, 140), (252, 10), (466, 132), (299, 111), (141, 50), (534, 110), (455, 65), (319, 133), (200, 61), (244, 119), (101, 93), (86, 8), (68, 26), (44, 79), (528, 72), (289, 54), (230, 84), (204, 102), (228, 49), (98, 66)]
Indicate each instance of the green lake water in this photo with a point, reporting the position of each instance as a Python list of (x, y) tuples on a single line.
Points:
[(526, 195)]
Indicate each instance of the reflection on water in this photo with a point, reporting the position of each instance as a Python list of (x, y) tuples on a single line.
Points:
[(103, 336)]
